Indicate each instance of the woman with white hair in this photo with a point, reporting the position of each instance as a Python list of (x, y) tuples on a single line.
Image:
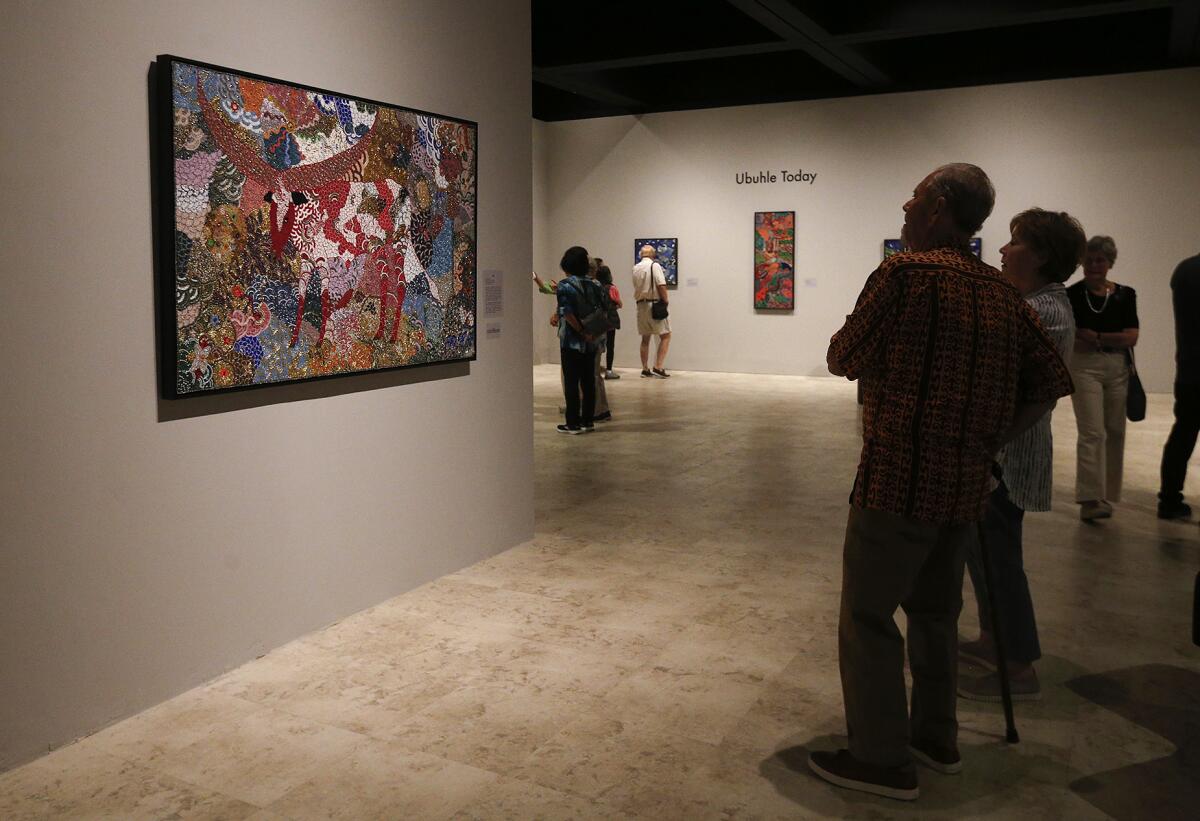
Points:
[(1106, 324)]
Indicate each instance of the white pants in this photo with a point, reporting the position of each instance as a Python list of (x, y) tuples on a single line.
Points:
[(601, 393), (1101, 381)]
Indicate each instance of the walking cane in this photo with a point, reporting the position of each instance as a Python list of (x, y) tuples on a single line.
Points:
[(1010, 734)]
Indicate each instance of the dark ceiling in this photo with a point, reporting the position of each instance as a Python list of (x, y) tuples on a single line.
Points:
[(595, 59)]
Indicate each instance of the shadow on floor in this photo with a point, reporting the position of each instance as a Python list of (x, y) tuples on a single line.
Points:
[(1166, 701)]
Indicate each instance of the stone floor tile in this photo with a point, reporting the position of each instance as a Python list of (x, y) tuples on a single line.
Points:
[(381, 779), (84, 781), (665, 646)]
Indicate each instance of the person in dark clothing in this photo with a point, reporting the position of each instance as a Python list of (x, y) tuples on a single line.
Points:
[(578, 349), (1185, 295)]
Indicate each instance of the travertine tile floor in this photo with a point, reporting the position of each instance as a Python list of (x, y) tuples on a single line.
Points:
[(665, 649)]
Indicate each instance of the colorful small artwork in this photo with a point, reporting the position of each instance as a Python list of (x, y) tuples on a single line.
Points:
[(304, 233), (893, 246), (666, 254), (774, 260)]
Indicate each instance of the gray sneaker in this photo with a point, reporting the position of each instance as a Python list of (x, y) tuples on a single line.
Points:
[(843, 770), (980, 653), (1096, 509)]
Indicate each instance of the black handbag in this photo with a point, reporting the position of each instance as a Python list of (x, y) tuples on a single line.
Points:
[(1135, 396), (658, 309)]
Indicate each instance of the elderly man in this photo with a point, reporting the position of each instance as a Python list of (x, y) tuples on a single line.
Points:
[(650, 286), (955, 364)]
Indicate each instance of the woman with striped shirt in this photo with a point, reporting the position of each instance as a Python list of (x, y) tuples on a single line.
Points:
[(1044, 251)]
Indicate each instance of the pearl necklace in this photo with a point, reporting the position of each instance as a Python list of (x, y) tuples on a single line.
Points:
[(1087, 295)]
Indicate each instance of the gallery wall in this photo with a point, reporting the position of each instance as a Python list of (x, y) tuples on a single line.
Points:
[(1118, 152), (149, 546), (545, 339)]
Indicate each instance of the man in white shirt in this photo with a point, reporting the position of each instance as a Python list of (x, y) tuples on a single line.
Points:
[(650, 286)]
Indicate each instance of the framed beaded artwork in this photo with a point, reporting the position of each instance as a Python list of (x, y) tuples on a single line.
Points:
[(666, 254), (774, 260), (304, 233)]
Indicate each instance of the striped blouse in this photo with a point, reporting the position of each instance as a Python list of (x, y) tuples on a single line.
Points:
[(1027, 461)]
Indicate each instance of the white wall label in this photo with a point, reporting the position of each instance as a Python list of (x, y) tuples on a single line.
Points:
[(493, 294), (784, 175), (492, 330), (692, 282), (810, 283)]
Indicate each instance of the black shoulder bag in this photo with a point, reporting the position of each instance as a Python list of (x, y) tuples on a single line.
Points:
[(658, 308), (1135, 396)]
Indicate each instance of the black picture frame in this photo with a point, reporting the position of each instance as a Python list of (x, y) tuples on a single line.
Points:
[(163, 209), (671, 270)]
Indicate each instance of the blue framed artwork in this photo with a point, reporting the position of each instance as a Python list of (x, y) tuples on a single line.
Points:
[(666, 253)]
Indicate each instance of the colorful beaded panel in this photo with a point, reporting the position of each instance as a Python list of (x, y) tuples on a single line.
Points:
[(313, 234)]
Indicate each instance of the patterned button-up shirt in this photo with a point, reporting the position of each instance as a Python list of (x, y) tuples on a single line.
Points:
[(947, 349), (1028, 460)]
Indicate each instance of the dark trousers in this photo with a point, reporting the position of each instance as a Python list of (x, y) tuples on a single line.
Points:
[(579, 378), (890, 562), (1002, 529), (611, 341), (1180, 443)]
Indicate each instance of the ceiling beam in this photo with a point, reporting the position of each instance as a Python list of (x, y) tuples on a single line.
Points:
[(798, 32), (975, 18), (657, 59), (803, 33), (585, 85), (1185, 32)]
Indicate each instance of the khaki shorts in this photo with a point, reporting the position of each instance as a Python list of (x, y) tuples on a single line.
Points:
[(647, 325)]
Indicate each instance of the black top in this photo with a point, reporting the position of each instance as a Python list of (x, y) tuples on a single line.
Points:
[(1104, 316), (1185, 295)]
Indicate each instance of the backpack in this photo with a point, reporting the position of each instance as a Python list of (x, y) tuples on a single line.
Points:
[(593, 306), (614, 316)]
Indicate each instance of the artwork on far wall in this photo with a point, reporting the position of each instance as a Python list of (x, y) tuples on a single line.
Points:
[(667, 255), (304, 233), (892, 246), (774, 260)]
